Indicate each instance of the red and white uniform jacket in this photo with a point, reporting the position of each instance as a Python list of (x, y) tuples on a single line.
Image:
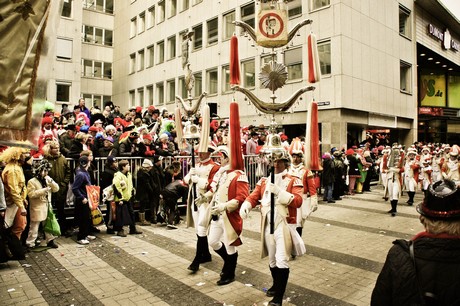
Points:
[(310, 198), (233, 188)]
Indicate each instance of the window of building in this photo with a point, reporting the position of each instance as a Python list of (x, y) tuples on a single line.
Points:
[(184, 5), (198, 84), (150, 56), (108, 6), (132, 98), (161, 51), (317, 4), (150, 95), (171, 91), (97, 69), (151, 17), (293, 62), (248, 14), (226, 79), (105, 6), (88, 99), (324, 53), (404, 21), (160, 94), (98, 34), (294, 8), (172, 8), (172, 47), (213, 31), (195, 2), (198, 37), (108, 38), (182, 88), (67, 9), (249, 73), (211, 77), (161, 11), (87, 68), (228, 27), (64, 49), (141, 23), (87, 34), (63, 91), (140, 96), (133, 27), (107, 70), (140, 60), (405, 76), (132, 63)]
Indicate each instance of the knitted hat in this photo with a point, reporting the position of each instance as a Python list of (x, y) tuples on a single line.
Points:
[(83, 161), (147, 163), (40, 166)]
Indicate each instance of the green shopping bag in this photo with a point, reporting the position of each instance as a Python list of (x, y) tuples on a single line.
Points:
[(51, 224)]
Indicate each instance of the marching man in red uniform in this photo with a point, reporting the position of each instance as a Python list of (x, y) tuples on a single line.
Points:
[(200, 177), (298, 169), (288, 192)]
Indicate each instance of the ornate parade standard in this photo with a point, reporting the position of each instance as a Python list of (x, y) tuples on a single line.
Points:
[(192, 133), (271, 32)]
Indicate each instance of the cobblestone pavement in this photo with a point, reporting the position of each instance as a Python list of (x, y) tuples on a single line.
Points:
[(347, 243)]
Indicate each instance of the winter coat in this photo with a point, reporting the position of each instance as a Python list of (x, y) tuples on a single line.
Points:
[(39, 198), (60, 172), (438, 269), (353, 169), (65, 143), (144, 185), (107, 177), (124, 184), (82, 179), (328, 175), (2, 197), (127, 148)]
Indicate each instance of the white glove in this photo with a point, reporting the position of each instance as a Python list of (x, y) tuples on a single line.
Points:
[(394, 170), (200, 200), (273, 188), (192, 171), (245, 209), (194, 178), (216, 210)]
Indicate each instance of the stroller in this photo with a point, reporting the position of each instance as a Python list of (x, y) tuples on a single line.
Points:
[(169, 211)]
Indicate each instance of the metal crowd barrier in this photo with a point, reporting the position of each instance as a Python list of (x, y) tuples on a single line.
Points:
[(255, 166)]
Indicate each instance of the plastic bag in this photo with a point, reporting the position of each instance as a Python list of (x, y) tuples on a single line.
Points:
[(51, 224)]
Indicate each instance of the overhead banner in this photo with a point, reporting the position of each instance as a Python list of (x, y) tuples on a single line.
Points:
[(22, 26), (433, 90)]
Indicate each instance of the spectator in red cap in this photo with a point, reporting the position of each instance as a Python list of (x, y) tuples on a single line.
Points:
[(353, 170), (151, 115), (147, 147)]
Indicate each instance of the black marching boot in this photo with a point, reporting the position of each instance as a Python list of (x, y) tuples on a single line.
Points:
[(223, 253), (282, 276), (394, 203), (272, 290), (195, 265), (205, 255), (411, 198), (229, 271)]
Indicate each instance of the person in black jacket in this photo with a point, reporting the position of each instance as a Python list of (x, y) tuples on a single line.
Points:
[(146, 190), (426, 269), (111, 166), (158, 176), (328, 177)]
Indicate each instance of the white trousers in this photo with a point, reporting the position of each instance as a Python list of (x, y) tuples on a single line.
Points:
[(199, 217), (217, 235), (277, 256), (33, 234), (410, 183), (394, 188)]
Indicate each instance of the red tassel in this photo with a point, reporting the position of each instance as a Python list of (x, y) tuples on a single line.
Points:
[(236, 157), (234, 62), (314, 72), (314, 138)]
